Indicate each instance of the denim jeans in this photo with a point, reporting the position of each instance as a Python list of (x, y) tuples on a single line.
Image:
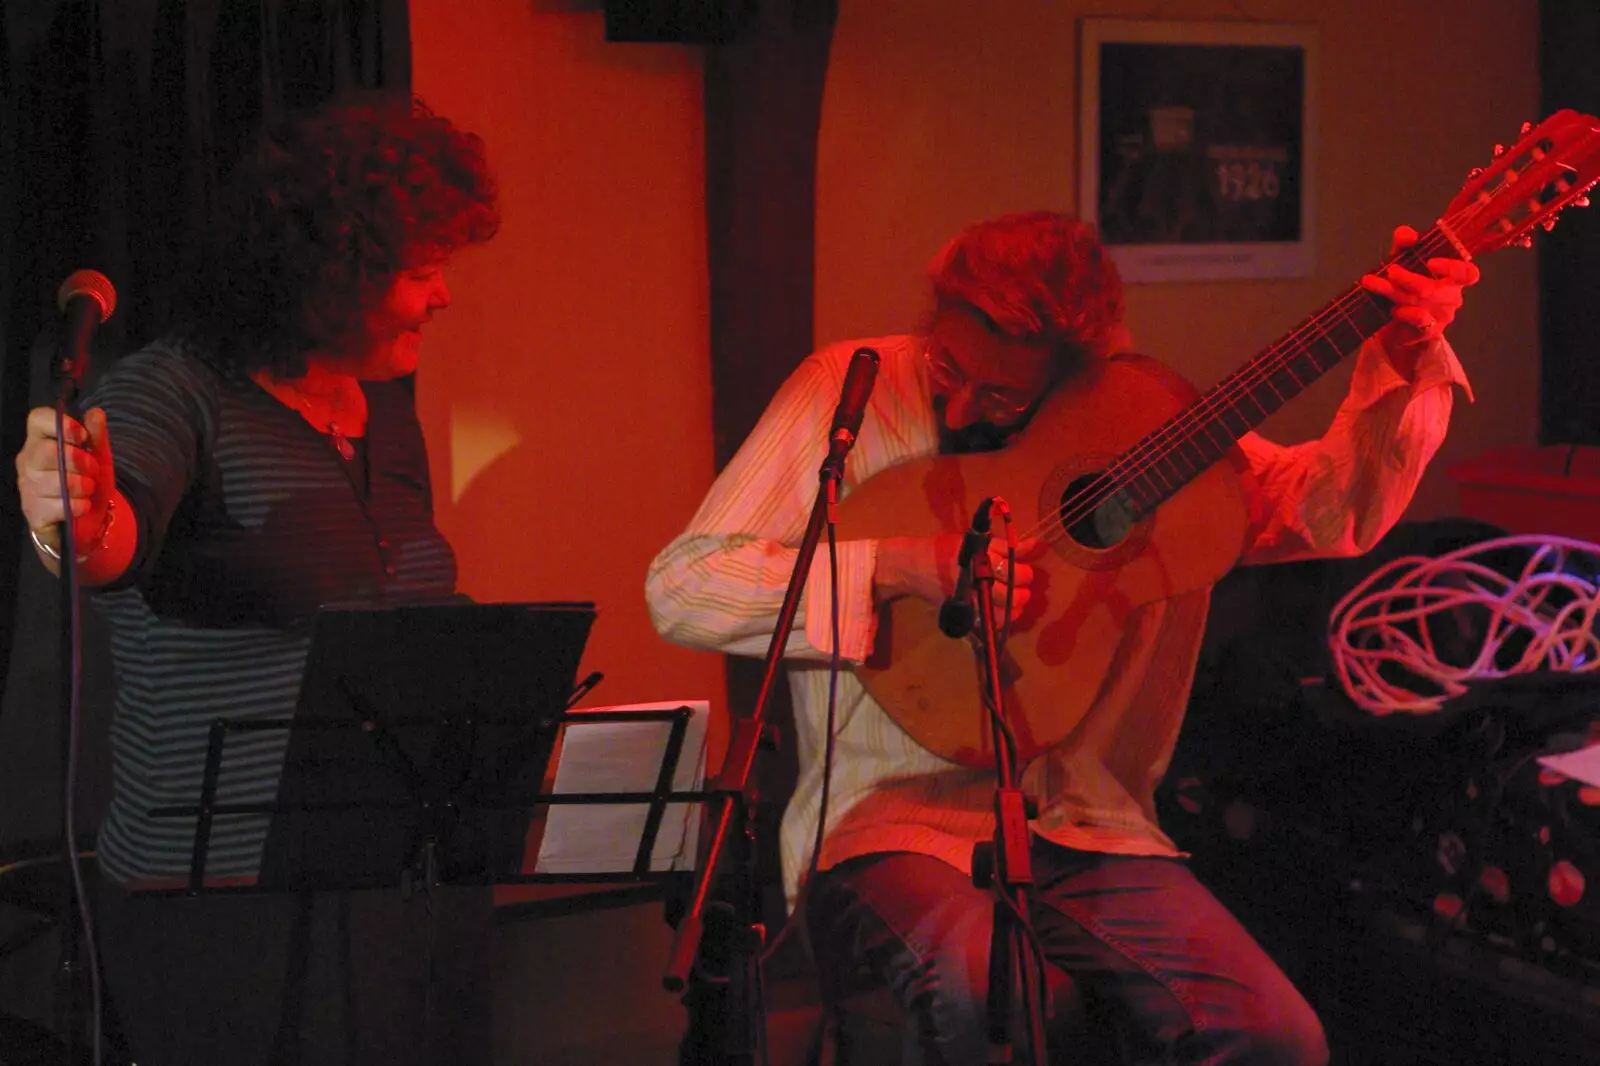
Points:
[(1151, 951)]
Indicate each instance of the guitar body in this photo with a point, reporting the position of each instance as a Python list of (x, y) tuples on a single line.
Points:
[(1084, 587)]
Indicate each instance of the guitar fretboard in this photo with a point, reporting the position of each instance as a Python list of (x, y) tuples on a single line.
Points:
[(1185, 445)]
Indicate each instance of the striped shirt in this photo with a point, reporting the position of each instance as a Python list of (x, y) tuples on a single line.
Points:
[(718, 587), (248, 520)]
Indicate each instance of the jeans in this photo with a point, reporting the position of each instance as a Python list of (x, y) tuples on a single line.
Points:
[(1150, 950)]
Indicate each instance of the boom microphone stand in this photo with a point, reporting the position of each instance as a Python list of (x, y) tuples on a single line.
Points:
[(745, 1013), (1003, 865)]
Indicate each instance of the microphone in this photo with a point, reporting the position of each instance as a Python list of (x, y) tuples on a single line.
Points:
[(858, 382), (956, 614), (86, 299)]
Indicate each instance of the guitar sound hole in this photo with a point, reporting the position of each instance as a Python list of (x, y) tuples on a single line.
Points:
[(1106, 525)]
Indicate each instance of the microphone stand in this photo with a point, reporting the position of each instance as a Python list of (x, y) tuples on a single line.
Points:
[(745, 1011), (69, 1006), (86, 299), (1003, 864), (77, 1022)]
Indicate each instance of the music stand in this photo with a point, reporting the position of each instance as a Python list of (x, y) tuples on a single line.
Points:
[(419, 749)]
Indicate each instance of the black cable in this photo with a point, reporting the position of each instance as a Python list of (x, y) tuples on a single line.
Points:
[(1030, 936), (827, 750), (68, 552), (999, 720), (430, 959), (999, 503), (1022, 923)]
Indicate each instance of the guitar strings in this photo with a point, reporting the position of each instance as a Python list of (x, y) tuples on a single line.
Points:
[(1183, 426), (1187, 425)]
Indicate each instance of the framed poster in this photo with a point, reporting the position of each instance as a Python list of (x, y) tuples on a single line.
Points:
[(1197, 147)]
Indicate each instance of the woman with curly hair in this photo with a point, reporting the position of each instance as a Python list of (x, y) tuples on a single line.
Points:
[(267, 459)]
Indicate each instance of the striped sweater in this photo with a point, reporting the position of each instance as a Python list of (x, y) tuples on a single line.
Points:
[(248, 520)]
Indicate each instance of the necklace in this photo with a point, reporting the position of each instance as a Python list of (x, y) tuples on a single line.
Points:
[(341, 443)]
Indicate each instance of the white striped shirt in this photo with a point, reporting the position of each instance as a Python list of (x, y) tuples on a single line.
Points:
[(719, 585)]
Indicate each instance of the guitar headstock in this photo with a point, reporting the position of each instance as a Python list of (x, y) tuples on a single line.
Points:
[(1551, 166)]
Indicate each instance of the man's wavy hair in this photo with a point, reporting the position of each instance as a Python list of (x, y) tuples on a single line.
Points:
[(319, 217), (1036, 277)]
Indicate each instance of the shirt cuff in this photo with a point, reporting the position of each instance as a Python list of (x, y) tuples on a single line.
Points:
[(858, 616), (1438, 365), (1375, 377)]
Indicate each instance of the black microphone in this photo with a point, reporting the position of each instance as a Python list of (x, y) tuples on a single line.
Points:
[(858, 382), (86, 299), (957, 614)]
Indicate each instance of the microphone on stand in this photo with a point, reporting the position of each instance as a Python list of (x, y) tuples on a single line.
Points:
[(957, 614), (86, 299), (858, 382)]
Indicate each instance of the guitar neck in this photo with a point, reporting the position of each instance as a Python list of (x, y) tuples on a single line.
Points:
[(1191, 441)]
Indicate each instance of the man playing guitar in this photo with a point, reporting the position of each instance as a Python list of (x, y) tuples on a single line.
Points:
[(1025, 352)]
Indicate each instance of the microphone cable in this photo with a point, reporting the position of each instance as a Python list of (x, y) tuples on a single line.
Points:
[(72, 660), (1024, 924), (834, 666)]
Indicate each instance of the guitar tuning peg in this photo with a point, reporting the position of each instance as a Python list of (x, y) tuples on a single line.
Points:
[(1474, 173), (1499, 150), (1523, 241), (1549, 223), (1582, 201), (1526, 126)]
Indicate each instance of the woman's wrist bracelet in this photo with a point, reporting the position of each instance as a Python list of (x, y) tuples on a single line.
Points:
[(99, 538)]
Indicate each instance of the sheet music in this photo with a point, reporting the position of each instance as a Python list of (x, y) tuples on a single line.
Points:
[(1581, 765), (623, 757)]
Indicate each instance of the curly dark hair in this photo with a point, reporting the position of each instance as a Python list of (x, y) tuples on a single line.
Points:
[(318, 218), (1036, 277)]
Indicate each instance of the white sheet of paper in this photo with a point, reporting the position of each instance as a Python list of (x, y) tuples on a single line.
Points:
[(1581, 765), (623, 757)]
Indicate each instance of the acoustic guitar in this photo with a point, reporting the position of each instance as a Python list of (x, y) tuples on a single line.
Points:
[(1133, 480)]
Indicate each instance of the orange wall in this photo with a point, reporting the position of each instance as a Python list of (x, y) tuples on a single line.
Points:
[(566, 395), (939, 112)]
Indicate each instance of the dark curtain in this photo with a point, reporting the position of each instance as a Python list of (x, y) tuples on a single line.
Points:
[(118, 121), (1569, 256), (763, 101)]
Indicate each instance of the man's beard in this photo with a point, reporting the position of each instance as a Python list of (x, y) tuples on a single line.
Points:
[(978, 437)]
